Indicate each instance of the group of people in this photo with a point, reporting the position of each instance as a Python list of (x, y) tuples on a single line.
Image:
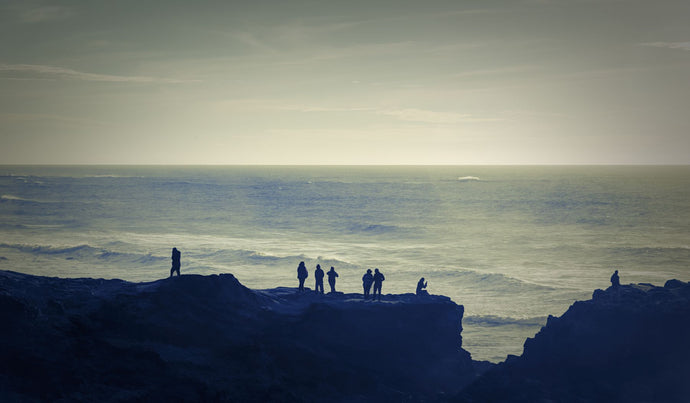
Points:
[(302, 275), (376, 279), (368, 279)]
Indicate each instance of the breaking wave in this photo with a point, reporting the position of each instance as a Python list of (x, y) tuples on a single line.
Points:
[(492, 282), (373, 228), (492, 321), (86, 253), (17, 199)]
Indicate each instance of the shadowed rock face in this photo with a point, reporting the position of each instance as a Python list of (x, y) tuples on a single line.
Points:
[(626, 344), (208, 338), (195, 338)]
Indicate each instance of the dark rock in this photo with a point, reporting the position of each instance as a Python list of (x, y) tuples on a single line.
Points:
[(209, 338), (673, 283), (627, 344)]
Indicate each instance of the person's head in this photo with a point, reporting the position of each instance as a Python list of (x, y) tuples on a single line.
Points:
[(332, 269), (301, 264), (616, 272), (318, 266), (174, 249), (421, 279), (376, 270), (369, 271)]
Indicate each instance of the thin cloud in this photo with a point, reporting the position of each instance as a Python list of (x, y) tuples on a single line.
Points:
[(669, 45), (43, 71), (300, 108), (285, 105), (63, 120), (403, 114), (45, 13), (428, 116)]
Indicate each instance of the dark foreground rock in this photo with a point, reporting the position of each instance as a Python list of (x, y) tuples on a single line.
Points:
[(208, 338), (626, 344)]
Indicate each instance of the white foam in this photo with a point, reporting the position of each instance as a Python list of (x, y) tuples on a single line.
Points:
[(11, 197)]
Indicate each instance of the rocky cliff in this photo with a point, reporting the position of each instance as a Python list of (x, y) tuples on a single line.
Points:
[(208, 338), (627, 344)]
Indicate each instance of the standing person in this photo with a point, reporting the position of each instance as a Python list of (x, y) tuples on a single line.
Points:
[(367, 279), (318, 277), (615, 280), (302, 275), (331, 278), (175, 262), (378, 282)]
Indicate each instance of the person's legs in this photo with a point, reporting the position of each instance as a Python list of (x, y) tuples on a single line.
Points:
[(377, 291)]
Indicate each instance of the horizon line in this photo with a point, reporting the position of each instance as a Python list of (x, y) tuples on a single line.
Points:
[(338, 165)]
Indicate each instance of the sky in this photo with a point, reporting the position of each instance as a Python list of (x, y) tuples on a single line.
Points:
[(345, 82)]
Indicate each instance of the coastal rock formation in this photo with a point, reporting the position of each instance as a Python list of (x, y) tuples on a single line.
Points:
[(627, 344), (209, 338)]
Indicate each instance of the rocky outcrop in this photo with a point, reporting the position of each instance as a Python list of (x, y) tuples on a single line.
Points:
[(626, 344), (208, 338)]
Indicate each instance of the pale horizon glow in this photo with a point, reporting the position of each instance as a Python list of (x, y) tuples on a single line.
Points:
[(525, 82)]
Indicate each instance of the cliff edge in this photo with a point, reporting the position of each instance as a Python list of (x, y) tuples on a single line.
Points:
[(627, 344), (209, 338)]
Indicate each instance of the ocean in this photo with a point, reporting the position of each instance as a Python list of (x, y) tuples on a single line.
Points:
[(513, 244)]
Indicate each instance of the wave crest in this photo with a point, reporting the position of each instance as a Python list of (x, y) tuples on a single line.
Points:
[(373, 228), (493, 320), (86, 252)]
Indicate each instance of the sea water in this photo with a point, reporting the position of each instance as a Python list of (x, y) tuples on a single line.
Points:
[(513, 244)]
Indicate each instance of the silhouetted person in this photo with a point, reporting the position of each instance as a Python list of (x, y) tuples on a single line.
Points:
[(175, 262), (302, 275), (615, 280), (367, 280), (331, 278), (421, 285), (378, 282), (318, 277)]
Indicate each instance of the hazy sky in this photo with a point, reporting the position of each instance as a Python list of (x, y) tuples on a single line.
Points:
[(345, 82)]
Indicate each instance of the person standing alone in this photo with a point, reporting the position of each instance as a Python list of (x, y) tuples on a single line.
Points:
[(175, 262), (615, 280)]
